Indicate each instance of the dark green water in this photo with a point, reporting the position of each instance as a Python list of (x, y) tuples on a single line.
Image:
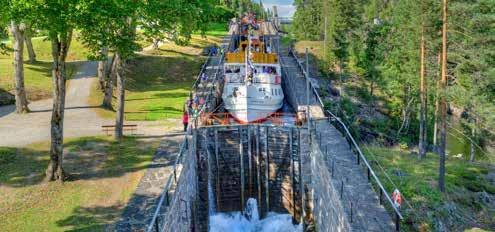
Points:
[(458, 143)]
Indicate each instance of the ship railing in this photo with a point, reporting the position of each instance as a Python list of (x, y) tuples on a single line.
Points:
[(337, 122), (277, 118), (203, 68)]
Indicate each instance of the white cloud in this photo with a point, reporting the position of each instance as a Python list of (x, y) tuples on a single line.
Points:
[(283, 10)]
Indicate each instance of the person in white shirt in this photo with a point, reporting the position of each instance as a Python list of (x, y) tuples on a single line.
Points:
[(268, 49)]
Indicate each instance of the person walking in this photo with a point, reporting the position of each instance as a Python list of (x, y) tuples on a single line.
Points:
[(185, 120)]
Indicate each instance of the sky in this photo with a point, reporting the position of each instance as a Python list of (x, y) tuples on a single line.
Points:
[(284, 7)]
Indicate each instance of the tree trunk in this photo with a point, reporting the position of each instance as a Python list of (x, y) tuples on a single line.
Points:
[(437, 104), (443, 103), (156, 42), (423, 96), (473, 134), (108, 98), (119, 121), (60, 47), (29, 47), (21, 103), (372, 87), (102, 68)]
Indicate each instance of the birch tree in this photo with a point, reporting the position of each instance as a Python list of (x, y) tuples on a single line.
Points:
[(20, 14)]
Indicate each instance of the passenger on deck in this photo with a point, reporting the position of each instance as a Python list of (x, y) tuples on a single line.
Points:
[(204, 77), (268, 49), (265, 69), (213, 50), (195, 100)]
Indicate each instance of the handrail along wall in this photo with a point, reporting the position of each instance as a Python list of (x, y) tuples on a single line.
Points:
[(352, 141)]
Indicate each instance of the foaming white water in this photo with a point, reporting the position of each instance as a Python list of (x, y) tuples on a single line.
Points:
[(250, 222)]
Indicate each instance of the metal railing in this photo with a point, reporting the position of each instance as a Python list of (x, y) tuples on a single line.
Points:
[(203, 67), (172, 181), (165, 196), (352, 143), (291, 52)]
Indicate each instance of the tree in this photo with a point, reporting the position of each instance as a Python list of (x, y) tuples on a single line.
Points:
[(443, 101), (3, 24), (29, 45), (113, 25), (58, 18), (21, 103), (102, 68), (422, 91), (307, 24), (19, 15)]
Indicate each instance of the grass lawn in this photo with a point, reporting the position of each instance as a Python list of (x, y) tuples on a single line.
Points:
[(217, 29), (157, 87), (104, 174), (464, 204), (37, 76), (158, 81)]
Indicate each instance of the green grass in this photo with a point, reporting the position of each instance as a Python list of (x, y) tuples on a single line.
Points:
[(159, 81), (104, 173), (157, 87), (37, 76), (418, 183), (217, 29), (43, 49)]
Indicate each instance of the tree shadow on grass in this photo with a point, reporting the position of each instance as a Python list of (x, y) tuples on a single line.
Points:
[(90, 218), (164, 109), (153, 73), (175, 52), (85, 158), (41, 66)]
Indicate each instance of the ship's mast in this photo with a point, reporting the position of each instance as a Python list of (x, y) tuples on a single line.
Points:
[(248, 55)]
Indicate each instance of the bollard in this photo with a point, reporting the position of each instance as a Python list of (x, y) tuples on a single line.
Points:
[(351, 211), (341, 189), (166, 198), (156, 225), (175, 175), (358, 159), (320, 139), (333, 164), (397, 222), (380, 196), (368, 174)]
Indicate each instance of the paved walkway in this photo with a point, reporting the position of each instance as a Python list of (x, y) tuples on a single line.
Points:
[(20, 130), (80, 118), (140, 209), (367, 213)]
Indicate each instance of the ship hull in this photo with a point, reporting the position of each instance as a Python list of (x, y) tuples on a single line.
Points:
[(250, 105)]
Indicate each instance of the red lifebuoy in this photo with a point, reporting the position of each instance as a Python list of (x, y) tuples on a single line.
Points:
[(397, 198)]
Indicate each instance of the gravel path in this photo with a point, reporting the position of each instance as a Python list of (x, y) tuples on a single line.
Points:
[(80, 119)]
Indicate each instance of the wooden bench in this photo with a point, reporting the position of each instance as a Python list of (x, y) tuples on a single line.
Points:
[(109, 129)]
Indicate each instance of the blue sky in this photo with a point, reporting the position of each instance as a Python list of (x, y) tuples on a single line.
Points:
[(285, 7)]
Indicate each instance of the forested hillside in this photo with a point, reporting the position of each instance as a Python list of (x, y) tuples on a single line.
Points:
[(400, 71), (378, 44)]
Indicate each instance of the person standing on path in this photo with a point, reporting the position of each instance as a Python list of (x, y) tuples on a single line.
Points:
[(185, 120)]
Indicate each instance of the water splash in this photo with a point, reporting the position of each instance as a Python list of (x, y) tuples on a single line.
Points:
[(250, 221), (211, 196)]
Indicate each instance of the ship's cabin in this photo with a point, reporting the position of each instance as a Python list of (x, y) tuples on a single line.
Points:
[(263, 73)]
